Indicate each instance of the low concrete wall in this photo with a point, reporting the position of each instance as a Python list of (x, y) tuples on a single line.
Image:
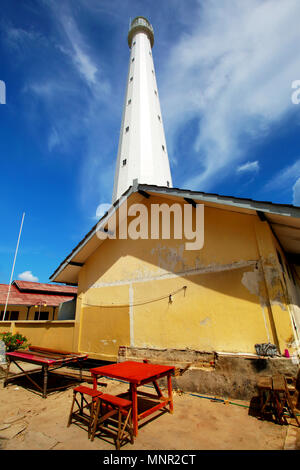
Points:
[(46, 334), (211, 373)]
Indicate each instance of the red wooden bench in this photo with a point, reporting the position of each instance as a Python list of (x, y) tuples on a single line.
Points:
[(108, 406), (80, 414)]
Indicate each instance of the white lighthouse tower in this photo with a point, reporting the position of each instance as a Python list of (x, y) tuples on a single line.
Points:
[(142, 152)]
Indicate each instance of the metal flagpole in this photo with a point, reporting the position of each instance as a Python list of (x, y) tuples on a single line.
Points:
[(12, 271)]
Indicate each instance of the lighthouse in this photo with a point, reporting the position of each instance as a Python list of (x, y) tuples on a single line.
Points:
[(142, 151)]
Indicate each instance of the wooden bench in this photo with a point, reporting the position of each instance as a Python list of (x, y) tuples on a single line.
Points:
[(274, 391), (79, 414), (108, 406), (282, 399)]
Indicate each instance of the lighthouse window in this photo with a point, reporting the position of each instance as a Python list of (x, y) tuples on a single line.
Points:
[(124, 162), (131, 78), (168, 184), (158, 117), (132, 59), (163, 147), (155, 92), (133, 43), (129, 101), (127, 129)]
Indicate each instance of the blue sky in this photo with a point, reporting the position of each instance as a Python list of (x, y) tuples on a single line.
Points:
[(224, 71)]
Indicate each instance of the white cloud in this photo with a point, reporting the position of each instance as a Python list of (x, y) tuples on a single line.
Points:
[(285, 178), (77, 49), (53, 139), (28, 276), (249, 166), (232, 72), (296, 193), (77, 101), (81, 59), (101, 210), (18, 38)]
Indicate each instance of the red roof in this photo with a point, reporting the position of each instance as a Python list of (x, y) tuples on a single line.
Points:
[(19, 296), (39, 286)]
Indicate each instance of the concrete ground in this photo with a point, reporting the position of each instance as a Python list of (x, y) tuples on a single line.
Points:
[(29, 422)]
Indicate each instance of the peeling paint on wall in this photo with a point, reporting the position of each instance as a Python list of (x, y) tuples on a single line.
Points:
[(274, 281), (211, 268), (205, 321), (169, 257), (254, 282), (251, 280)]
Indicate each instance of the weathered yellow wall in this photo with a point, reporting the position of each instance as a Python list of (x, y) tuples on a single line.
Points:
[(55, 335), (233, 298)]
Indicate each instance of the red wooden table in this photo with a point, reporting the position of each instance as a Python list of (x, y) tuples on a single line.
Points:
[(138, 374), (48, 359)]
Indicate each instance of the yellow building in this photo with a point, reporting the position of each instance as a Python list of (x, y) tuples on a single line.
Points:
[(239, 289)]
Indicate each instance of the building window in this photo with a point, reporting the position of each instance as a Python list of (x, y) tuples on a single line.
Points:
[(127, 129), (131, 78), (133, 43), (2, 315), (163, 147), (14, 315), (41, 315), (132, 60), (124, 161), (155, 92), (129, 101), (158, 117)]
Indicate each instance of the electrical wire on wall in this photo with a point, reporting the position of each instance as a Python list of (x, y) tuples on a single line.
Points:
[(134, 304)]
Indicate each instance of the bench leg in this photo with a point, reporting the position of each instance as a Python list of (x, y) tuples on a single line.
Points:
[(95, 419), (71, 412), (94, 416), (119, 429)]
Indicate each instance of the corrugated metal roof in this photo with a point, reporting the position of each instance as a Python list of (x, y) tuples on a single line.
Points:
[(39, 286), (21, 297)]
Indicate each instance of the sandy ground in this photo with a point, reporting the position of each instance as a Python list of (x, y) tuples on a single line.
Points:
[(29, 422)]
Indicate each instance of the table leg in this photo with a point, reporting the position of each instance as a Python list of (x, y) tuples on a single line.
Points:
[(133, 389), (158, 390), (170, 394), (45, 367)]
